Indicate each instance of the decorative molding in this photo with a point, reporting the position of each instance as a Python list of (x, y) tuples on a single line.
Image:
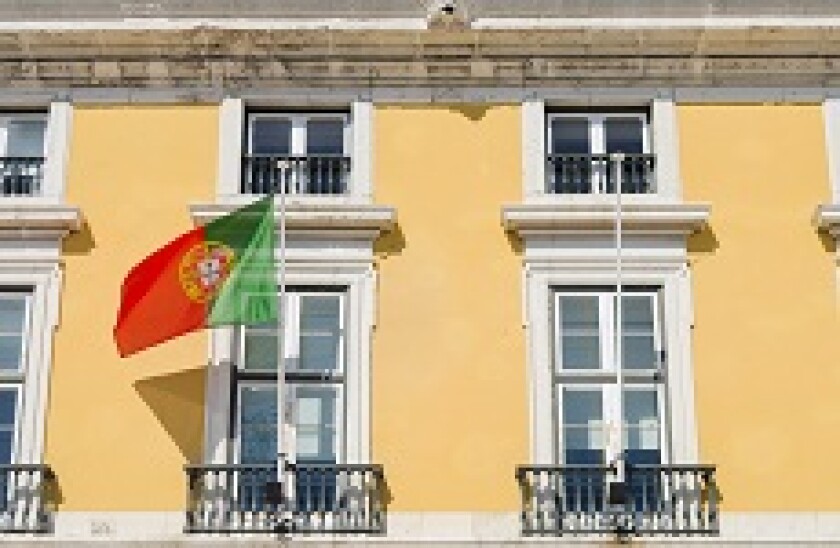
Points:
[(334, 219), (827, 218), (775, 56), (575, 94), (465, 528), (31, 218), (593, 215)]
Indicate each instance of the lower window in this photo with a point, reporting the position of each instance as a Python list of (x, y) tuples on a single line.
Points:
[(313, 430), (591, 428)]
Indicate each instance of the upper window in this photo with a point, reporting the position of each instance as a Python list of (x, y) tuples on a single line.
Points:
[(580, 146), (305, 153), (22, 151)]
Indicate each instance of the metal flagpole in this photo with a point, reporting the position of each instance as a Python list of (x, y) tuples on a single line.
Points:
[(283, 168), (618, 158)]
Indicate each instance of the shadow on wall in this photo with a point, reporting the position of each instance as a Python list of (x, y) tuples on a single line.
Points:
[(79, 243), (390, 243), (703, 242), (828, 242), (515, 241), (177, 400), (473, 112)]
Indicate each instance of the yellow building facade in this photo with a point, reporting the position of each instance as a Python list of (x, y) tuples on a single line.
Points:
[(457, 364)]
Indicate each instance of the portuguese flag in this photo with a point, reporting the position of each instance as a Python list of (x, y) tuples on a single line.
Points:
[(219, 274)]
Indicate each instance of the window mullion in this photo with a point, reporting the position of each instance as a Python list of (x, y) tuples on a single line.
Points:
[(596, 134), (299, 135), (4, 136), (291, 352), (607, 334)]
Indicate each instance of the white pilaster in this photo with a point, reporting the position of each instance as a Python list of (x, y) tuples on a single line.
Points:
[(361, 115), (57, 150), (666, 147), (831, 115), (231, 132), (533, 147)]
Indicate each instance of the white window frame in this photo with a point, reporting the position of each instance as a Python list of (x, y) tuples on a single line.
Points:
[(605, 379), (291, 343), (9, 117), (7, 383), (597, 128), (597, 139), (359, 280), (662, 140), (298, 122), (233, 143), (541, 279), (41, 283)]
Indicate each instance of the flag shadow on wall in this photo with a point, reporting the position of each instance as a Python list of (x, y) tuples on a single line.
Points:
[(177, 401)]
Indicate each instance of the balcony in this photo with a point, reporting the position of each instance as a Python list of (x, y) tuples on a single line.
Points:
[(312, 499), (310, 175), (597, 174), (28, 493), (21, 176), (586, 500)]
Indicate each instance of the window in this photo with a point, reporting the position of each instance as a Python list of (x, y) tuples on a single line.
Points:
[(314, 383), (14, 329), (586, 386), (307, 152), (22, 150), (579, 147)]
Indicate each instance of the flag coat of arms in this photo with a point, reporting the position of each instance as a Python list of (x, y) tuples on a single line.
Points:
[(222, 273)]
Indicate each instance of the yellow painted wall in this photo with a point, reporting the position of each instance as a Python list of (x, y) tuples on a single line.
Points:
[(449, 389), (120, 430), (765, 342)]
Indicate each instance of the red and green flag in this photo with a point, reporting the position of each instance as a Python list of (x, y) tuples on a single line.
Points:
[(222, 273)]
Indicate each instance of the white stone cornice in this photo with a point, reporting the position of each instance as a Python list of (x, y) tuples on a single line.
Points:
[(827, 218), (33, 220), (331, 219), (662, 218)]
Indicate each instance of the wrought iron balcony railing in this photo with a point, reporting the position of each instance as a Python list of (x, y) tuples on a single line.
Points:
[(27, 490), (582, 500), (318, 175), (597, 174), (312, 498), (21, 176)]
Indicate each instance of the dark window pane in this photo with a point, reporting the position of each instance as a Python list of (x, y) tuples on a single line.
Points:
[(6, 442), (12, 314), (271, 136), (26, 138), (261, 350), (593, 457), (325, 137), (638, 352), (11, 349), (258, 425), (580, 352), (579, 313), (624, 135), (570, 136), (8, 407)]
